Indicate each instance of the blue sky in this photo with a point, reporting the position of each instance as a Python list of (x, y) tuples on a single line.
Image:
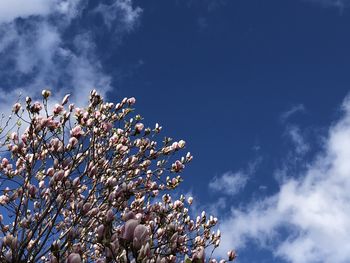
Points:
[(258, 89)]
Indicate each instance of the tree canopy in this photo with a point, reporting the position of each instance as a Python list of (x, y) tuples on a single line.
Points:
[(93, 184)]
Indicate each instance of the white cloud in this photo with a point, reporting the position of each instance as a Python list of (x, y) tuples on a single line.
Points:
[(36, 52), (312, 209), (229, 183), (11, 9)]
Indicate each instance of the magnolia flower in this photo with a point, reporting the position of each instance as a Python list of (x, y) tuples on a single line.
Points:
[(5, 162), (106, 126), (199, 255), (16, 108), (145, 250), (139, 127), (141, 236), (50, 172), (129, 215), (53, 259), (231, 255), (131, 101), (109, 215), (59, 175), (129, 228), (74, 258), (65, 99), (178, 166), (190, 200), (73, 141), (181, 144), (57, 109), (36, 108), (100, 231), (46, 93), (76, 131), (4, 199), (86, 208), (82, 189)]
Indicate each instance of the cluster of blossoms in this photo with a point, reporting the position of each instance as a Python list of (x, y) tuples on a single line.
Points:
[(92, 185)]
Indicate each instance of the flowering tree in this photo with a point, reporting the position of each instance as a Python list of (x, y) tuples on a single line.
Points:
[(92, 185)]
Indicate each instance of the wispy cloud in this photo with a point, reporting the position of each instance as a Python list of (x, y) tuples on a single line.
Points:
[(308, 220), (296, 136), (120, 15), (231, 183), (293, 110), (41, 46)]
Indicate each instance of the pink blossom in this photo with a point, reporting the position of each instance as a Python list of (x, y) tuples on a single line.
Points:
[(199, 254), (139, 127), (59, 175), (36, 108), (141, 236), (76, 131), (4, 199), (100, 231), (57, 109), (74, 258), (50, 172), (178, 166), (5, 162), (109, 215), (86, 208), (89, 122), (73, 141), (96, 194), (131, 101), (128, 229), (106, 126)]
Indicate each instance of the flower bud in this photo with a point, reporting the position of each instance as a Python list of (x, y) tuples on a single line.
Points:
[(46, 93), (65, 99), (16, 108), (57, 109), (86, 208), (131, 101), (141, 236), (128, 229), (139, 127), (74, 258), (110, 215), (100, 231), (190, 200), (231, 255), (181, 144)]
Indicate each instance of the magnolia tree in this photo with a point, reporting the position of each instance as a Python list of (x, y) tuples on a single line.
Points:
[(92, 185)]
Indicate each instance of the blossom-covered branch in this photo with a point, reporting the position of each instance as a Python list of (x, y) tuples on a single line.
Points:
[(93, 185)]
